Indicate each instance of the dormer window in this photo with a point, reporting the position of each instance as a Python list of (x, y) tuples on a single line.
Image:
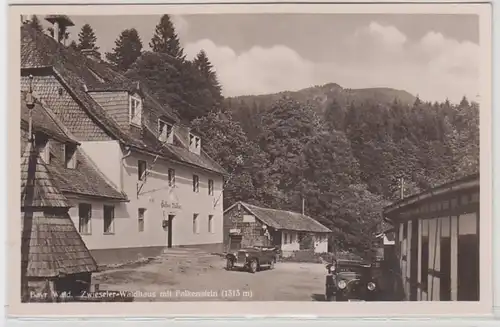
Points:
[(69, 156), (194, 143), (135, 110), (165, 130), (42, 143)]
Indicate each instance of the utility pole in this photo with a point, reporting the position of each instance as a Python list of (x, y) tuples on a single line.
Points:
[(30, 103), (303, 205)]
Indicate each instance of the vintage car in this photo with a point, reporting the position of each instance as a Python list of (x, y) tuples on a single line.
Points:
[(252, 258), (350, 280)]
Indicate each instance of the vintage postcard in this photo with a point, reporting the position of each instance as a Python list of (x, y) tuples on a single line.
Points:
[(260, 159)]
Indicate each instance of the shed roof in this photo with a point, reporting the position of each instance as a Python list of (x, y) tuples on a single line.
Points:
[(467, 182), (281, 219)]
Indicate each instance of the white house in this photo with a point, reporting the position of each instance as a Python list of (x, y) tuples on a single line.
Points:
[(173, 188), (247, 225)]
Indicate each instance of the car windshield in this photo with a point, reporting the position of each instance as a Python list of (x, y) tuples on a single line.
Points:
[(352, 271)]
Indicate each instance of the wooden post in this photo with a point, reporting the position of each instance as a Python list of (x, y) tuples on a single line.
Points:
[(303, 205), (402, 180), (30, 103)]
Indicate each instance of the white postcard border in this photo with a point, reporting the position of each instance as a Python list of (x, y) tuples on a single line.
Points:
[(238, 309)]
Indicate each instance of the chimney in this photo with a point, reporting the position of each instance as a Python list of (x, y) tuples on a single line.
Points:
[(91, 54), (59, 23)]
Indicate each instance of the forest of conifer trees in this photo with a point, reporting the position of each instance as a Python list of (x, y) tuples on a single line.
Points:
[(343, 157)]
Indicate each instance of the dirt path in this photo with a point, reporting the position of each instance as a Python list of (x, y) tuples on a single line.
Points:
[(203, 278)]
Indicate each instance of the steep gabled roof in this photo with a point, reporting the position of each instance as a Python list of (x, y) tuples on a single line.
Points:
[(81, 74), (281, 219), (50, 243), (86, 179), (37, 185)]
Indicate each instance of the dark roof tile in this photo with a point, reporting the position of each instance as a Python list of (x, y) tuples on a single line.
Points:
[(51, 246), (81, 74), (37, 185), (86, 179), (287, 220)]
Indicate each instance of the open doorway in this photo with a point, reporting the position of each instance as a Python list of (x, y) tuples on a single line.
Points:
[(169, 230)]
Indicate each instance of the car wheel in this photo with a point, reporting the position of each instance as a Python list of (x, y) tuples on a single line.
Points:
[(253, 266), (229, 264)]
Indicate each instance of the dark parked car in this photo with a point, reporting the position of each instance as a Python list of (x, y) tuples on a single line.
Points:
[(252, 258), (350, 280)]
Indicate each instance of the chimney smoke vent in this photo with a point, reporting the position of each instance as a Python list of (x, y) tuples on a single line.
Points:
[(60, 23)]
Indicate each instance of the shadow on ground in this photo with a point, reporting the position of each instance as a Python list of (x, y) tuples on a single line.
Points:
[(318, 297)]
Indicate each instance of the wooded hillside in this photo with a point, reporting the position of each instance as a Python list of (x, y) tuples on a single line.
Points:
[(342, 150)]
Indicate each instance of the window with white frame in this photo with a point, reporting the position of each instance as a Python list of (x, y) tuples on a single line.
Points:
[(194, 143), (196, 183), (109, 219), (171, 177), (69, 155), (141, 170), (135, 110), (196, 229), (84, 217), (141, 214), (210, 223), (165, 131), (210, 187)]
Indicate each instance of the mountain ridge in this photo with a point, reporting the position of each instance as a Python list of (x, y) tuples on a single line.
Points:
[(322, 95)]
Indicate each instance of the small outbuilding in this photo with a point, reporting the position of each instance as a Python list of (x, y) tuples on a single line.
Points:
[(54, 258), (249, 225)]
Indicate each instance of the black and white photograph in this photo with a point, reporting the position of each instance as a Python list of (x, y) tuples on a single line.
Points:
[(298, 157)]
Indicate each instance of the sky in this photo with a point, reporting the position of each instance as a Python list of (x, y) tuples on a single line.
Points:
[(434, 56)]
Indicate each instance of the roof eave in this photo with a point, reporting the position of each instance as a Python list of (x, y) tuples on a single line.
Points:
[(161, 155), (55, 136), (440, 190), (94, 196)]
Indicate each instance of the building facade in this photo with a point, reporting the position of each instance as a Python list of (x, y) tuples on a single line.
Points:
[(173, 189), (248, 225), (437, 242)]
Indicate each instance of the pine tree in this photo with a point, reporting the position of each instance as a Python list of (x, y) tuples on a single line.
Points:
[(128, 47), (204, 66), (34, 22), (165, 40), (87, 38)]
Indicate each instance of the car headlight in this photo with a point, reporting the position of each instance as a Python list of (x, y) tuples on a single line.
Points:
[(342, 284), (246, 254), (371, 286), (332, 269)]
